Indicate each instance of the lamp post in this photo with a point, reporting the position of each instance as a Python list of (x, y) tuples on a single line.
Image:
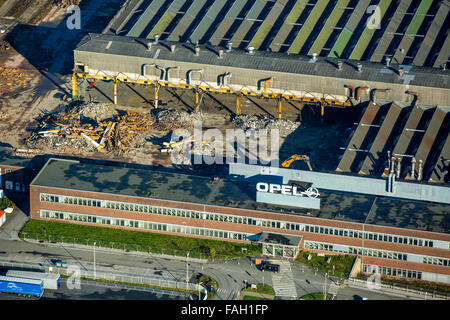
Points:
[(187, 269), (95, 274)]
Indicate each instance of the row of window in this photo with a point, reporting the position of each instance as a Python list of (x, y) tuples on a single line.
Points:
[(378, 253), (394, 272), (358, 251), (236, 219), (436, 261), (102, 220)]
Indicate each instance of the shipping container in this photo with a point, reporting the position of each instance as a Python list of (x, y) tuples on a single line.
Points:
[(22, 286), (51, 280)]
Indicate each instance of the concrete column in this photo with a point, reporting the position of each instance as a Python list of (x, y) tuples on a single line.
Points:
[(156, 96)]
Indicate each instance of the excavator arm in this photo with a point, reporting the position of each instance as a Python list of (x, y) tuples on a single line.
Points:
[(287, 163)]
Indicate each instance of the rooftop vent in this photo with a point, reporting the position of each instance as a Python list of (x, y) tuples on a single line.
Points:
[(314, 57), (229, 46), (172, 48), (251, 50), (388, 61), (359, 67), (156, 38)]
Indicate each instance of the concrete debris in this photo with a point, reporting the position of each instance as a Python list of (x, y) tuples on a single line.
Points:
[(13, 78), (170, 119), (95, 110), (258, 122), (68, 128)]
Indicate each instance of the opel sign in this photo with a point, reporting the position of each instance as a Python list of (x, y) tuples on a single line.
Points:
[(287, 190)]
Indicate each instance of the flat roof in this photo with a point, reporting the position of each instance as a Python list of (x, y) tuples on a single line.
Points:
[(261, 60), (150, 183), (8, 159), (21, 280), (280, 239)]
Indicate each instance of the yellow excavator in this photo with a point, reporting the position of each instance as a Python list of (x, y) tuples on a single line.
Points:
[(287, 163)]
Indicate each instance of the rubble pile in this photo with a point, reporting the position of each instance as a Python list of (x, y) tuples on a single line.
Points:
[(258, 122), (80, 127), (13, 78), (95, 110), (170, 119)]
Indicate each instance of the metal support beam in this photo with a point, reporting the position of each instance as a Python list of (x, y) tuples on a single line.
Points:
[(74, 86), (280, 101), (238, 104)]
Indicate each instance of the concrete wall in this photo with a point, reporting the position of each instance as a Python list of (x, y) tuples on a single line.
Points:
[(298, 84)]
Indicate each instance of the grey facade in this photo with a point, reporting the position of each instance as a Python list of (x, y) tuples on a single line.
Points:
[(115, 56)]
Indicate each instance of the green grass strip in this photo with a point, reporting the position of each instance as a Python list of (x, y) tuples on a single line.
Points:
[(261, 288), (342, 263), (326, 31), (368, 33), (313, 296), (416, 22), (340, 44), (135, 240), (260, 35), (162, 24), (254, 298), (308, 26)]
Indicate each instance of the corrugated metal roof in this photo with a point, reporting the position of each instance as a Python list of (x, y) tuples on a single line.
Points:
[(358, 137), (432, 34), (271, 61), (444, 54), (204, 25), (430, 135), (388, 34), (441, 172), (145, 18), (375, 154)]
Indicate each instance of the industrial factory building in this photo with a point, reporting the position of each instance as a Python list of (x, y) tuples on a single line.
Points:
[(398, 226)]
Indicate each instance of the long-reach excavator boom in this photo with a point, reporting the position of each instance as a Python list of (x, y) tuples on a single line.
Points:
[(287, 163)]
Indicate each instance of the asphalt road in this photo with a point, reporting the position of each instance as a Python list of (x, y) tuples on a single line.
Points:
[(230, 275), (90, 290), (350, 293)]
